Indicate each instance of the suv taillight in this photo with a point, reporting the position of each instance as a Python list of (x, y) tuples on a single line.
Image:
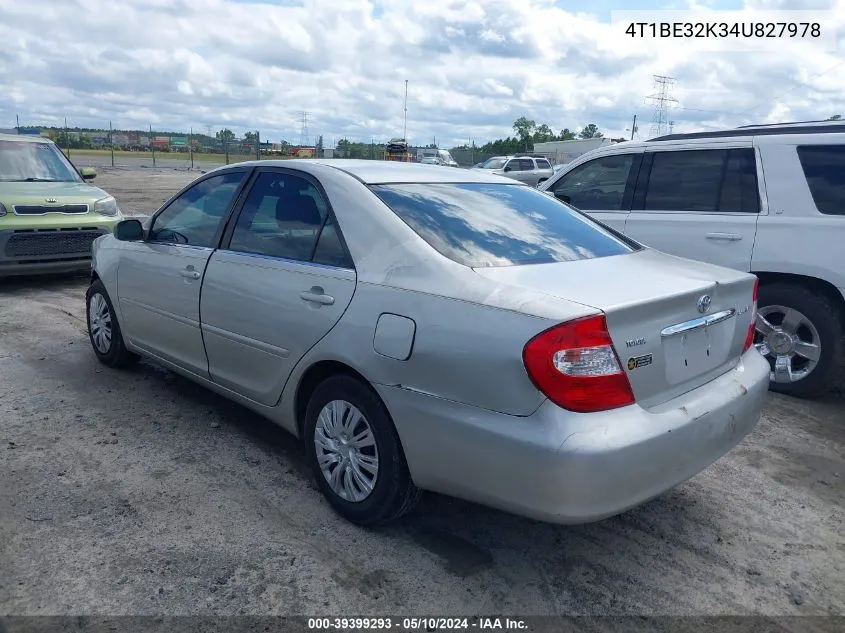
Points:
[(749, 336), (575, 366)]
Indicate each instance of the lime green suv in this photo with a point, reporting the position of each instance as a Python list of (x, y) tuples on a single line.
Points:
[(49, 213)]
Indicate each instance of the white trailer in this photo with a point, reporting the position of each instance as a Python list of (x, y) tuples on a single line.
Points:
[(566, 151)]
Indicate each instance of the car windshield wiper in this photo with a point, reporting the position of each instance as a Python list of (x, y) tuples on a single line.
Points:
[(33, 180)]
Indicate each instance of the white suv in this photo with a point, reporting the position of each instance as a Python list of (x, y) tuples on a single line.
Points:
[(764, 199)]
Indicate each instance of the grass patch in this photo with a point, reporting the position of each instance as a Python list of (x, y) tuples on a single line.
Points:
[(182, 156)]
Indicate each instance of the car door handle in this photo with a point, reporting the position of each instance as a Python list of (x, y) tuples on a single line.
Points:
[(317, 295), (190, 273), (731, 237)]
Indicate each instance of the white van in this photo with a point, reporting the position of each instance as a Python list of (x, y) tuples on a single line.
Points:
[(440, 155)]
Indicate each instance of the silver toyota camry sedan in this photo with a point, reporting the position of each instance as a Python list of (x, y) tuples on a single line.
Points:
[(421, 328)]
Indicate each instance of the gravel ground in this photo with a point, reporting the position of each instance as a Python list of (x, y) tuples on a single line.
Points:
[(137, 492)]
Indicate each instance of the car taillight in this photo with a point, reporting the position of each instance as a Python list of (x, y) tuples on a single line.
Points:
[(749, 336), (575, 366)]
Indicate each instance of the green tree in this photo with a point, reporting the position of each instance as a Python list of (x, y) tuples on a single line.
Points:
[(524, 128), (566, 135), (590, 131), (250, 138), (226, 135), (835, 117), (543, 134)]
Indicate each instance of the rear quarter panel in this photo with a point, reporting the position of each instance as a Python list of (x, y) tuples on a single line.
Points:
[(795, 237), (462, 351)]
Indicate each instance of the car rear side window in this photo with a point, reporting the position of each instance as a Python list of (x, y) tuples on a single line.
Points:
[(542, 163), (704, 181), (482, 225), (824, 169)]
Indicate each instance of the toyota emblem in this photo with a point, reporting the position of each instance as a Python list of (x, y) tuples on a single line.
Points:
[(704, 304)]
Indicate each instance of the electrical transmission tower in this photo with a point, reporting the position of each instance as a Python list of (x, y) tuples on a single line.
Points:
[(662, 101), (302, 119)]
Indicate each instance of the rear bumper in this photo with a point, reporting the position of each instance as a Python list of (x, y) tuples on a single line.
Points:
[(564, 467), (25, 252)]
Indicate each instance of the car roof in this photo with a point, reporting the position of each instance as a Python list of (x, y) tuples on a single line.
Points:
[(378, 172), (777, 129), (24, 138)]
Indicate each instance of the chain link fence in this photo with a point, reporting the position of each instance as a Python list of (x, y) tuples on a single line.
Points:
[(196, 150)]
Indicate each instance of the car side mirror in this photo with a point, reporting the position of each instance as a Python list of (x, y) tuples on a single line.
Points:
[(508, 168), (88, 173), (129, 231)]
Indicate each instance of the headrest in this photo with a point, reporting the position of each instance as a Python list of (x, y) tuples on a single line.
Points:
[(298, 208)]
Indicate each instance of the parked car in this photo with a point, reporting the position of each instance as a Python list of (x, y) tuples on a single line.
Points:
[(426, 329), (764, 199), (49, 213), (431, 160), (528, 169), (442, 156)]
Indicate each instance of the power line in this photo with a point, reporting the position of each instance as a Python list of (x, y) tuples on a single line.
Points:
[(662, 101), (795, 87)]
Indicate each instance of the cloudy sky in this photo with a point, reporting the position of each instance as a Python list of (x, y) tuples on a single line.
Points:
[(473, 67)]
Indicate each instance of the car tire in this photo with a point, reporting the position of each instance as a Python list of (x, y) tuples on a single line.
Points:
[(104, 330), (392, 492), (825, 317)]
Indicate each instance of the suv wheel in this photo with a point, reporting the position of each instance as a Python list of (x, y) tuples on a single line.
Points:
[(800, 333)]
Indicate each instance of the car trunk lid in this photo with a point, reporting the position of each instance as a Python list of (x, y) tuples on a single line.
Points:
[(675, 323)]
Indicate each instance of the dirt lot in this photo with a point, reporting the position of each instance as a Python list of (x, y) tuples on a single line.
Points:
[(136, 492), (142, 191)]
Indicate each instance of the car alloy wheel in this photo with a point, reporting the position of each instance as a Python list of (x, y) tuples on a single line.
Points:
[(346, 451), (99, 323), (789, 340)]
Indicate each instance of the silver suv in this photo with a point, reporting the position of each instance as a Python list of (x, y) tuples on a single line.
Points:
[(528, 169)]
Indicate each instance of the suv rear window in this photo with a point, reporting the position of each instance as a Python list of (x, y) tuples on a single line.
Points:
[(483, 225), (824, 169)]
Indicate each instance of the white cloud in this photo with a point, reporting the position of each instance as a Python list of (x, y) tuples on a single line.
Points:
[(473, 67)]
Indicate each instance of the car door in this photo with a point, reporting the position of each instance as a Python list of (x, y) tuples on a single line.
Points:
[(603, 187), (698, 203), (528, 172), (159, 279), (279, 283)]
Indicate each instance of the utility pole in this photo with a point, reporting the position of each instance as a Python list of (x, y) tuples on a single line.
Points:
[(662, 101), (111, 144), (405, 127), (191, 146), (152, 146), (634, 127), (257, 145), (67, 139), (17, 124)]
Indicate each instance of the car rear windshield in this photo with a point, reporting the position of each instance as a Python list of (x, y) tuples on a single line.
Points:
[(483, 225), (23, 161)]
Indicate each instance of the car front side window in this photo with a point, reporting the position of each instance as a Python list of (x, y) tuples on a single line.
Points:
[(195, 217), (598, 184)]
